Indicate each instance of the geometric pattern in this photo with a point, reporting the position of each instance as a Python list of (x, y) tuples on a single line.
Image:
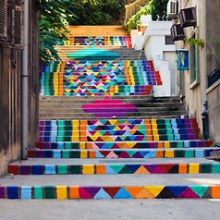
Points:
[(114, 169), (112, 154), (118, 130), (99, 41), (113, 192), (94, 78), (124, 145)]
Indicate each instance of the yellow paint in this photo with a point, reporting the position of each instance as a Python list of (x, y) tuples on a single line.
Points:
[(55, 82), (116, 89), (88, 169), (156, 138), (154, 126), (154, 190), (169, 153), (82, 145), (83, 154), (167, 144), (193, 168), (75, 130), (61, 192), (153, 121), (155, 132)]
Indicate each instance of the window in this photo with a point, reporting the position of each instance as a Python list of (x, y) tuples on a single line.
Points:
[(3, 19), (169, 40)]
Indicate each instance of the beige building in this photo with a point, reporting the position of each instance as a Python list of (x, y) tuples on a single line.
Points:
[(196, 30)]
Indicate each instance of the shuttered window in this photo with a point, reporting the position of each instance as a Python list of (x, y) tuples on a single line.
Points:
[(3, 19), (15, 23), (18, 27)]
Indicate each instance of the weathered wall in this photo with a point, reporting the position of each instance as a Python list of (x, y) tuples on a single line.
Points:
[(197, 92), (214, 112), (10, 90)]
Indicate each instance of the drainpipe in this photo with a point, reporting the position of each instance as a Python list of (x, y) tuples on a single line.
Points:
[(24, 86)]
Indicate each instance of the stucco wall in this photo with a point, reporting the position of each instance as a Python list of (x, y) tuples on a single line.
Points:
[(214, 112)]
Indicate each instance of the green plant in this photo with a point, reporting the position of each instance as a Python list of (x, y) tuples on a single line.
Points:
[(159, 9), (200, 43), (134, 21)]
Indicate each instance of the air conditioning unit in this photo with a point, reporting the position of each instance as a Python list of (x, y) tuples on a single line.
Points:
[(172, 9), (177, 32), (188, 17), (3, 19)]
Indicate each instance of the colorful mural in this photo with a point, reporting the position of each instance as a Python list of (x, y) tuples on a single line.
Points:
[(110, 192), (96, 78)]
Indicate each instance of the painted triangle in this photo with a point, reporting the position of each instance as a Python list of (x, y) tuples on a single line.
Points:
[(122, 194), (111, 191), (102, 194)]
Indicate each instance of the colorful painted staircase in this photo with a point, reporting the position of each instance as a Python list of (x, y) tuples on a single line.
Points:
[(120, 151)]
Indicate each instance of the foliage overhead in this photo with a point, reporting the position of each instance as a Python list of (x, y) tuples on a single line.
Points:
[(100, 12), (54, 17), (159, 9), (134, 21)]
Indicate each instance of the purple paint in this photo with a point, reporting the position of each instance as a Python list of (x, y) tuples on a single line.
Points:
[(109, 108)]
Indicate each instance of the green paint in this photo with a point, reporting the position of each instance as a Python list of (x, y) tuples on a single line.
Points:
[(65, 154), (216, 168), (199, 190), (62, 169), (38, 192), (205, 168), (189, 153), (49, 192), (116, 167), (179, 153), (75, 169)]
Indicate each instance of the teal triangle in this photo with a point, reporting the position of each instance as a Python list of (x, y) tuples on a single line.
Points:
[(117, 167), (199, 190), (101, 194), (122, 194)]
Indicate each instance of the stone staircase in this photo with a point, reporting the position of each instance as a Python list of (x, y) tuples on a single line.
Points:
[(102, 135), (145, 107)]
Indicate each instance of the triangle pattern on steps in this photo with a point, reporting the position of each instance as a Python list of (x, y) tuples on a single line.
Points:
[(104, 148)]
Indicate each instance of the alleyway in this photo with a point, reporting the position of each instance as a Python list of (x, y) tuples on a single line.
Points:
[(102, 134)]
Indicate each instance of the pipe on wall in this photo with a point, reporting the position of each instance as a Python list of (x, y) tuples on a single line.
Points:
[(24, 86)]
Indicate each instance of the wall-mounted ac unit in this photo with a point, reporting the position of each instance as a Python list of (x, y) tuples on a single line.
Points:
[(177, 32), (3, 19), (188, 17), (172, 9)]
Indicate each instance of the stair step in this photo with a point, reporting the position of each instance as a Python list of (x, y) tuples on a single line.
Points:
[(124, 145), (110, 192), (114, 166), (123, 153)]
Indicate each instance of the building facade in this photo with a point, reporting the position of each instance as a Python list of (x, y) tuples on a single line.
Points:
[(12, 60), (196, 31)]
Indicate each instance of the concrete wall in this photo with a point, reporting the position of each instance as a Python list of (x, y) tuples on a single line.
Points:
[(213, 97)]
